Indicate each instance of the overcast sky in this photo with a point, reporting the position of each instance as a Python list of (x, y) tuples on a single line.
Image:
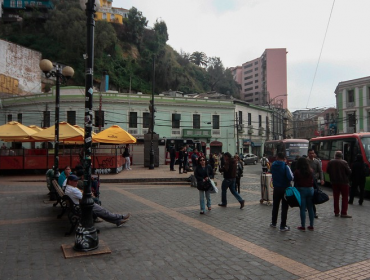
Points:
[(240, 30)]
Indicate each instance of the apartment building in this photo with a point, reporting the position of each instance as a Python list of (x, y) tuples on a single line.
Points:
[(109, 13), (264, 79)]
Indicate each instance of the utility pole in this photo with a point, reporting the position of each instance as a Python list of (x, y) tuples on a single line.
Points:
[(237, 132)]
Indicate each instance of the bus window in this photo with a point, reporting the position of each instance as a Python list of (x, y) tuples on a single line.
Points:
[(366, 144), (323, 150)]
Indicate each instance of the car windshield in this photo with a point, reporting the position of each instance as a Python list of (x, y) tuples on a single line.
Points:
[(295, 149), (366, 144)]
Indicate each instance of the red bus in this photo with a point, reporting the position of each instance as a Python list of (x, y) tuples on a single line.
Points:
[(290, 147), (349, 144)]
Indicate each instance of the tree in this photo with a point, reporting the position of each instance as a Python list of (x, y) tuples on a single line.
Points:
[(136, 24), (199, 58), (161, 33), (215, 71)]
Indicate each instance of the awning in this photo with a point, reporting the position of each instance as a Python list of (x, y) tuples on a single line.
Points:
[(216, 144)]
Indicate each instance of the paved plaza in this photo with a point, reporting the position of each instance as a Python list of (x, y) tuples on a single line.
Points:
[(167, 238)]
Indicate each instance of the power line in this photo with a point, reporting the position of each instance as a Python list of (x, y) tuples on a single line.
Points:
[(322, 46)]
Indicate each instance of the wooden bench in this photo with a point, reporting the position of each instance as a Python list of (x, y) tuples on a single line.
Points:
[(73, 210)]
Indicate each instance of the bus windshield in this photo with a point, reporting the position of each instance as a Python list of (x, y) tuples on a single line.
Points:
[(366, 144), (295, 149)]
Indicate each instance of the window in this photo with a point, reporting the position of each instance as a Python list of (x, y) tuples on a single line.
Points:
[(259, 120), (249, 119), (46, 118), (351, 120), (196, 121), (351, 96), (256, 62), (176, 118), (146, 120), (247, 89), (12, 3), (71, 117), (248, 95), (255, 69), (256, 81), (132, 122), (249, 77), (10, 117), (267, 121), (215, 121), (255, 87), (104, 16), (256, 75), (19, 4), (249, 83), (99, 118), (240, 115), (247, 72), (19, 118), (248, 65)]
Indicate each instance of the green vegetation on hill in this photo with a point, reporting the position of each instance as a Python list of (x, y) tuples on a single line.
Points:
[(125, 51)]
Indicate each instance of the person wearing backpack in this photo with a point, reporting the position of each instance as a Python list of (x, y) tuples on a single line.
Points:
[(303, 179), (358, 178), (264, 163), (281, 178)]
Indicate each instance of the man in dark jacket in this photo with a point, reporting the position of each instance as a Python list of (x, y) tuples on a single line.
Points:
[(172, 158), (358, 178), (339, 173), (229, 170), (281, 178)]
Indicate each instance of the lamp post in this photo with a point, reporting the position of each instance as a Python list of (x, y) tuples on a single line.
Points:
[(60, 75), (152, 109), (86, 238)]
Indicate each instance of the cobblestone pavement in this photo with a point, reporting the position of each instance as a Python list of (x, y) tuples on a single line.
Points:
[(166, 237)]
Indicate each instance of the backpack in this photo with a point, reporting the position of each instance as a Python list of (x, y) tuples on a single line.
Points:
[(264, 162), (366, 170), (293, 197)]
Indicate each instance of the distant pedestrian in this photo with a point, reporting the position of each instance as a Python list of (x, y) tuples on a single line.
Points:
[(339, 173), (281, 178), (303, 181), (211, 161), (264, 163), (126, 155), (358, 178), (239, 172), (229, 170), (194, 158), (203, 173), (186, 158), (215, 157), (172, 158), (3, 146), (181, 160)]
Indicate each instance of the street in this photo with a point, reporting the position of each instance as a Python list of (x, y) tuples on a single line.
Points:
[(166, 237)]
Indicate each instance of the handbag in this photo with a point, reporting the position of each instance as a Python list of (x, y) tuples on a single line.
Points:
[(293, 197), (319, 196)]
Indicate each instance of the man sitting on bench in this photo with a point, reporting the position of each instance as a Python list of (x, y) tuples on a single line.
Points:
[(76, 195)]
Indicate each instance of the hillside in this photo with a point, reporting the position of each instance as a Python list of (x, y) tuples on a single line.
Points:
[(125, 51)]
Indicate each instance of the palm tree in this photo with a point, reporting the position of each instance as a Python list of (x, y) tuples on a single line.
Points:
[(199, 58)]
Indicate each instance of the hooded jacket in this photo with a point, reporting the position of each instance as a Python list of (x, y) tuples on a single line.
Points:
[(281, 174)]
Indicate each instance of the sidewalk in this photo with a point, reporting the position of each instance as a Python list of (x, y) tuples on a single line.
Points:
[(167, 238)]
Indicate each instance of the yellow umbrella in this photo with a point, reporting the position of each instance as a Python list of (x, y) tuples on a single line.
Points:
[(76, 141), (114, 135), (15, 131), (66, 132), (35, 128)]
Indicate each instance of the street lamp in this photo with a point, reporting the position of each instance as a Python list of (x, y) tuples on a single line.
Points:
[(61, 75), (152, 110), (86, 238)]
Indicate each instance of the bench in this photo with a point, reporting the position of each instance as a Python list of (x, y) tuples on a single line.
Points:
[(73, 210)]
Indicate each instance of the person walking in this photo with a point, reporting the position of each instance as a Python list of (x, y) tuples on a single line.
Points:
[(339, 173), (194, 158), (181, 160), (126, 155), (358, 178), (172, 158), (229, 172), (203, 172), (318, 177), (281, 178), (186, 159), (303, 181)]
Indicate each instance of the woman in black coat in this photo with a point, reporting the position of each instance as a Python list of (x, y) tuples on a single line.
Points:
[(358, 178), (203, 172)]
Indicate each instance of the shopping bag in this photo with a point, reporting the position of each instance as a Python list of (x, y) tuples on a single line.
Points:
[(319, 197), (293, 197), (214, 189)]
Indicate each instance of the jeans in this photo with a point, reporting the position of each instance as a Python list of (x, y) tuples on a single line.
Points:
[(278, 196), (127, 164), (306, 202), (106, 215), (172, 164), (229, 183), (201, 200), (340, 189)]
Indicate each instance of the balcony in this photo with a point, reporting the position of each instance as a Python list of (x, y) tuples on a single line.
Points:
[(350, 104)]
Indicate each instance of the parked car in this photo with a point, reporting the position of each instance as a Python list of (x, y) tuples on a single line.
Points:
[(250, 159)]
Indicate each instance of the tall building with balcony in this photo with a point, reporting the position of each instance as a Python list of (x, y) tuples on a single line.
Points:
[(353, 105), (264, 79), (109, 13)]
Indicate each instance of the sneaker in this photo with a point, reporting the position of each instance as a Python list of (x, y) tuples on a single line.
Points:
[(272, 225), (125, 218), (301, 228), (222, 205), (242, 204), (316, 216), (336, 215), (201, 212), (286, 228), (310, 228), (345, 216)]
